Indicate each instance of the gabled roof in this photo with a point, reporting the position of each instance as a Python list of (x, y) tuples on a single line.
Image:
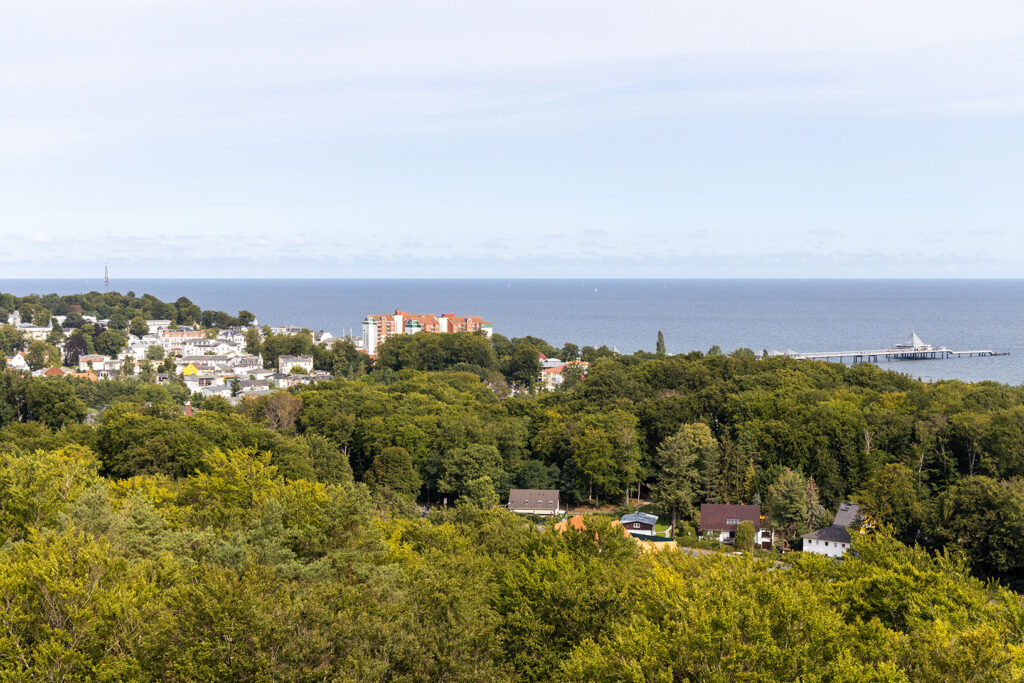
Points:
[(837, 534), (715, 516), (847, 516), (641, 517), (533, 499)]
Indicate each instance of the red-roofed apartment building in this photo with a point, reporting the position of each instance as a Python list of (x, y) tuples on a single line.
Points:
[(377, 328)]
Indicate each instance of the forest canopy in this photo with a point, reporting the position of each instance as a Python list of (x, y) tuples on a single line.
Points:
[(287, 536)]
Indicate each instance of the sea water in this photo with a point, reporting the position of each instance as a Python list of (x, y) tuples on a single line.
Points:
[(799, 315)]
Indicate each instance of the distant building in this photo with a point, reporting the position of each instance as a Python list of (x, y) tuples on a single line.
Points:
[(173, 340), (377, 328), (834, 540), (286, 363), (17, 361), (98, 363), (718, 522), (639, 523), (552, 371), (534, 502)]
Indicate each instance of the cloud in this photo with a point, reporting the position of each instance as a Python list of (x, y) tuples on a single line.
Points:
[(258, 132)]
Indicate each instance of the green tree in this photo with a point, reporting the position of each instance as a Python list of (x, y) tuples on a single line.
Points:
[(894, 496), (479, 464), (74, 347), (788, 505), (523, 366), (393, 469), (155, 352), (677, 479), (53, 402), (984, 518), (479, 492), (569, 352), (138, 326), (110, 342), (660, 346), (12, 340), (253, 342), (56, 334), (745, 535), (42, 355)]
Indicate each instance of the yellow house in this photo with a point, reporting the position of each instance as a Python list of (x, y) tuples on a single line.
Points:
[(190, 370)]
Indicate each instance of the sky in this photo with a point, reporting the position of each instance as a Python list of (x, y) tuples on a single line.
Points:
[(450, 138)]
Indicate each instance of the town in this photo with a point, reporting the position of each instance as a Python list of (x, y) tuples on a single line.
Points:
[(211, 360)]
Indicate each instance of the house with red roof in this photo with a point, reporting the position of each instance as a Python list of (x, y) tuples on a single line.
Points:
[(718, 522)]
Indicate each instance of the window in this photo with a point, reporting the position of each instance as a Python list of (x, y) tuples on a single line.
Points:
[(636, 525), (732, 521), (826, 542)]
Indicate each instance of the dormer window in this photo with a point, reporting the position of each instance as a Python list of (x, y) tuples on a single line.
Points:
[(731, 522)]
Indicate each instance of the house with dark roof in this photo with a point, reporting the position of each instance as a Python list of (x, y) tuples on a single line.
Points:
[(718, 522), (834, 540), (639, 523), (534, 502)]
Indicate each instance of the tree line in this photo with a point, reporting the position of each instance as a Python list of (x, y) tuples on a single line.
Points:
[(280, 537)]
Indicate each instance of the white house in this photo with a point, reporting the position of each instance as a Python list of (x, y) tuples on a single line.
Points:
[(286, 363), (718, 522), (834, 541), (289, 330), (213, 347), (97, 363), (35, 332), (17, 362)]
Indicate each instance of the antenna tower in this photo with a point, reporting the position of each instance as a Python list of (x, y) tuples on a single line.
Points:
[(106, 278)]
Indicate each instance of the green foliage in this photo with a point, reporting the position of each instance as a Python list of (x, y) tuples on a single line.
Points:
[(676, 485), (138, 326), (894, 496), (984, 518), (787, 504), (42, 355), (436, 351), (278, 540), (745, 535), (275, 345), (12, 340), (393, 469)]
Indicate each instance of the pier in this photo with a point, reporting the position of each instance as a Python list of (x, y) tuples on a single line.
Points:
[(911, 349)]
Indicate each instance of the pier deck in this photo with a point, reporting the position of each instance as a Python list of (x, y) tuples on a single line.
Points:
[(912, 349)]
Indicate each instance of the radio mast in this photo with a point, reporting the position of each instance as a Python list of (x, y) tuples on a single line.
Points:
[(106, 278)]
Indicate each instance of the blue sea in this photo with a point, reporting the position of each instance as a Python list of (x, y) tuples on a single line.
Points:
[(802, 315)]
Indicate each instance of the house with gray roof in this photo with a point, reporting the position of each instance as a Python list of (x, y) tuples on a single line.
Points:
[(834, 540), (639, 523), (534, 502)]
